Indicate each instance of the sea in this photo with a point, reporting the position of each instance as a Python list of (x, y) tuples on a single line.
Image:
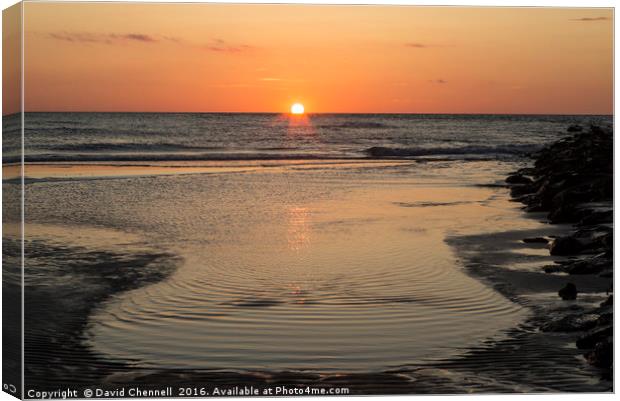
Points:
[(74, 137)]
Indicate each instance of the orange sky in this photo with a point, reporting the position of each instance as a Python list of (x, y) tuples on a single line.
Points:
[(11, 54), (252, 58)]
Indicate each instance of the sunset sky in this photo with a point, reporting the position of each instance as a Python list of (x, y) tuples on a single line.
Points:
[(263, 58)]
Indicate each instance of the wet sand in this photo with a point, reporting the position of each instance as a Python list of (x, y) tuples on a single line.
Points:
[(60, 170), (524, 360)]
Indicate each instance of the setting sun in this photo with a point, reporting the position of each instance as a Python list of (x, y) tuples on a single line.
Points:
[(297, 108)]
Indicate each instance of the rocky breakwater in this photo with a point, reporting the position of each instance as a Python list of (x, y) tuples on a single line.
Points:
[(572, 181)]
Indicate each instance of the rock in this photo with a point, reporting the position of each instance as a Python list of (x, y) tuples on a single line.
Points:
[(565, 205), (597, 217), (605, 319), (594, 336), (602, 355), (565, 246), (518, 179), (570, 323), (554, 269), (517, 190), (568, 292), (592, 265), (529, 171), (535, 240), (608, 302), (568, 173), (597, 239), (535, 206), (572, 181)]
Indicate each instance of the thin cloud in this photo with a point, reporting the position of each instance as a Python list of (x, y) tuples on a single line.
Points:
[(215, 45), (220, 45), (419, 45), (108, 38), (438, 81), (77, 37), (139, 37), (588, 19)]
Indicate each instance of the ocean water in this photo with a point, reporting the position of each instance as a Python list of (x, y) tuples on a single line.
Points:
[(292, 248), (169, 136)]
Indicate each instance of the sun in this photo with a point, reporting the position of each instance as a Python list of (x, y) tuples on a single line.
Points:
[(297, 108)]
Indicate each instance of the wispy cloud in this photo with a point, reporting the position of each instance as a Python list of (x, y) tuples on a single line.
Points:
[(416, 45), (589, 19), (108, 38), (438, 81), (214, 45), (421, 45), (139, 37), (220, 45)]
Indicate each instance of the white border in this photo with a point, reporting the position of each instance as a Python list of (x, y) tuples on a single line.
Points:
[(483, 3)]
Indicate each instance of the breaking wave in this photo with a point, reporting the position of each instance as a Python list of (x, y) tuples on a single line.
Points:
[(168, 152)]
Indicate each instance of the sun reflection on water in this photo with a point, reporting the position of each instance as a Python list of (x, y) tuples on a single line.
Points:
[(298, 232)]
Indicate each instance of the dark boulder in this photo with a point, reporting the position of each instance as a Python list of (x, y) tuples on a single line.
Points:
[(602, 355), (517, 190), (572, 181), (571, 323), (568, 292), (585, 240), (608, 302), (597, 217), (568, 173), (594, 336), (605, 319), (518, 179), (592, 265), (535, 240), (554, 269), (565, 246)]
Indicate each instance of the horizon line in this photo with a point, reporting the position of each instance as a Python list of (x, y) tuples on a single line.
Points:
[(313, 113)]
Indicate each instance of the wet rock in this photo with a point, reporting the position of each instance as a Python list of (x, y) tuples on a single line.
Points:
[(568, 292), (528, 171), (566, 205), (535, 240), (565, 246), (593, 265), (554, 269), (597, 239), (594, 336), (571, 323), (572, 181), (605, 319), (597, 217), (568, 173), (518, 179), (517, 190), (608, 302), (603, 354)]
